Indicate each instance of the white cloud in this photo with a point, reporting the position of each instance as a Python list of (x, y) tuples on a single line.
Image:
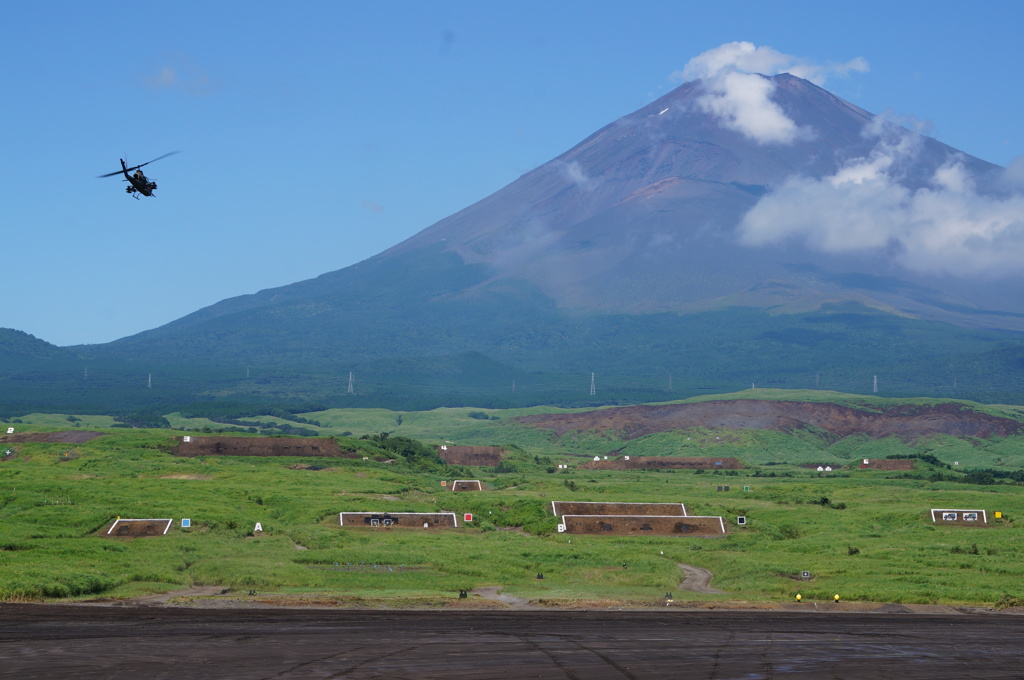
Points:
[(575, 173), (742, 102), (183, 75), (1013, 178), (740, 98), (165, 77), (948, 227)]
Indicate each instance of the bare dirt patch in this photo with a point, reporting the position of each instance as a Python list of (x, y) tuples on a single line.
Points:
[(886, 464), (67, 437), (494, 593), (261, 446), (907, 421), (479, 456), (665, 463), (135, 528), (161, 598), (697, 580)]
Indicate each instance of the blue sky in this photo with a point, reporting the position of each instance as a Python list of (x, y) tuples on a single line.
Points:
[(315, 135)]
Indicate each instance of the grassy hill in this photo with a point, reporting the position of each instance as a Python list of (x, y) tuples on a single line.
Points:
[(862, 533), (505, 356)]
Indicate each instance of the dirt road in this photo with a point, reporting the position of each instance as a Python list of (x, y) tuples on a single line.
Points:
[(55, 641), (696, 579)]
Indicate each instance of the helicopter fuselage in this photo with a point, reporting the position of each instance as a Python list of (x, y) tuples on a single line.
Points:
[(138, 181)]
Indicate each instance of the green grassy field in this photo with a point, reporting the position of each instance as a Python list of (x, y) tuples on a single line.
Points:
[(863, 534)]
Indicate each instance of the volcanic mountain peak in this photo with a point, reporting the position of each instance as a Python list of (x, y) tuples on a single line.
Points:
[(649, 213)]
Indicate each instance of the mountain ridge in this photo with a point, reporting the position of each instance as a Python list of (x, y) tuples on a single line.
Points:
[(625, 254)]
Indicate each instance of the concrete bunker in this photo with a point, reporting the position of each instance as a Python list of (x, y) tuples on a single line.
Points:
[(959, 517), (398, 520)]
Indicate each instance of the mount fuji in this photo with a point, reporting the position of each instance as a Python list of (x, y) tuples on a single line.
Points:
[(722, 236)]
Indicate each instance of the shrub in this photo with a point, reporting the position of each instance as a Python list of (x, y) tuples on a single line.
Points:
[(973, 550), (1006, 600)]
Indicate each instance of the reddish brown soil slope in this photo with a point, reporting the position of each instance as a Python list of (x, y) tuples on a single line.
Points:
[(479, 456), (908, 421), (664, 463), (261, 446), (68, 437)]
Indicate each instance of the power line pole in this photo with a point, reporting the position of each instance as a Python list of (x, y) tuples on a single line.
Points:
[(149, 381), (351, 385), (875, 387), (593, 389)]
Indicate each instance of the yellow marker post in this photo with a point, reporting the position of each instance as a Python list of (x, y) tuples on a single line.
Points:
[(999, 515), (836, 598), (798, 598)]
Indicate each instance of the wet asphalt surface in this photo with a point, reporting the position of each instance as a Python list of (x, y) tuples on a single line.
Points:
[(55, 641)]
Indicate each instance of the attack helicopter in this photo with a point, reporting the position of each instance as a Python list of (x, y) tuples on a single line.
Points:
[(138, 183)]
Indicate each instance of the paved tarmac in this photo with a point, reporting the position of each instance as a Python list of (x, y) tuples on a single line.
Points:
[(57, 641)]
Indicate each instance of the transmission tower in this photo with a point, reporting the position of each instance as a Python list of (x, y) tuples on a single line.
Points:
[(875, 386), (593, 389), (351, 385)]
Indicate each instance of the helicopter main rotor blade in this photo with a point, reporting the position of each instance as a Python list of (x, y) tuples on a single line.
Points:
[(136, 167)]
